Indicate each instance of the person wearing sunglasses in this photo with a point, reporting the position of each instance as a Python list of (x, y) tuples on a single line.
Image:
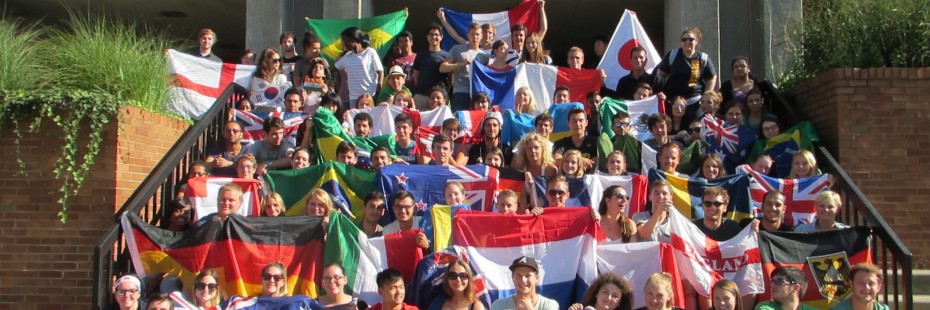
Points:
[(459, 286), (128, 293), (268, 74), (223, 157), (274, 280), (206, 290), (787, 285), (334, 282), (607, 292), (686, 71), (714, 224), (614, 220)]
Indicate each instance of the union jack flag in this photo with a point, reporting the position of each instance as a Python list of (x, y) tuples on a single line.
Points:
[(723, 137), (252, 123), (800, 194)]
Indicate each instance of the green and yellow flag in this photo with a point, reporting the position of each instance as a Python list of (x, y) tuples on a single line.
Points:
[(328, 133), (347, 185), (380, 31)]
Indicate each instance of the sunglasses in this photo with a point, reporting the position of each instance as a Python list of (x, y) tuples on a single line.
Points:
[(272, 277), (782, 281), (621, 196), (457, 276), (621, 124), (687, 39), (209, 286), (694, 130), (556, 193), (715, 204), (276, 59)]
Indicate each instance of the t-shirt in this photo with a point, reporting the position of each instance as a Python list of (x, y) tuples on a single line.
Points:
[(686, 75), (588, 148), (394, 227), (361, 71), (542, 304), (812, 226), (727, 230), (626, 87), (210, 56), (403, 306), (302, 68), (478, 151), (847, 305), (228, 171), (387, 92), (407, 152), (461, 78), (427, 64), (406, 63), (661, 232), (773, 305), (263, 153)]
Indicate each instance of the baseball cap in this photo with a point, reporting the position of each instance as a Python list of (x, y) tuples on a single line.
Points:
[(525, 261)]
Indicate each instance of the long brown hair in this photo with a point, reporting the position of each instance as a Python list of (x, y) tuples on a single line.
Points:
[(268, 69), (537, 56), (469, 287), (626, 298), (627, 229)]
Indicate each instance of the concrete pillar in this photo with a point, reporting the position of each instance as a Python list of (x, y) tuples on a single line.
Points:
[(267, 19), (680, 14), (779, 19), (264, 20)]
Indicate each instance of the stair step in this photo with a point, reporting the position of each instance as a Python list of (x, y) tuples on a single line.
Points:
[(922, 302), (921, 282)]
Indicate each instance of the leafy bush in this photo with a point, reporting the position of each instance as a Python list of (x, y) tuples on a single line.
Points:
[(860, 34), (78, 76)]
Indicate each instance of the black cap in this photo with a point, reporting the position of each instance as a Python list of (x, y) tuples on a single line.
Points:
[(525, 261)]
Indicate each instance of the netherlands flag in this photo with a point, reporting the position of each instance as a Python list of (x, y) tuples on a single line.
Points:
[(562, 240), (527, 14)]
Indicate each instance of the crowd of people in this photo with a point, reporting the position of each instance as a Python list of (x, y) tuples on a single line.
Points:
[(685, 80)]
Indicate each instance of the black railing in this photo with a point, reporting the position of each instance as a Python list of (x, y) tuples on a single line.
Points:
[(888, 251), (158, 189)]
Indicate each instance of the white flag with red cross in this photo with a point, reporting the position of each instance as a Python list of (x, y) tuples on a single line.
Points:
[(198, 82)]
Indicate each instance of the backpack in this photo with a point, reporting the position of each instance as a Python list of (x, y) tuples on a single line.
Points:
[(674, 54)]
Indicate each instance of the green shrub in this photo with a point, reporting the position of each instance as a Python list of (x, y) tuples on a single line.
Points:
[(19, 66), (860, 34)]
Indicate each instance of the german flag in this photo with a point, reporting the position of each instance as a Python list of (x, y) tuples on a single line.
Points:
[(236, 249), (825, 257)]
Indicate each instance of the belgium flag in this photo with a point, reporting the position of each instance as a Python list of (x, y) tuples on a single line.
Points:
[(825, 257), (236, 249)]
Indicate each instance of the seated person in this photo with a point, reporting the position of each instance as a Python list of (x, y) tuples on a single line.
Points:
[(507, 202), (273, 205), (402, 204), (442, 151), (334, 282), (658, 293), (374, 210), (828, 205), (405, 135), (866, 284), (607, 292), (271, 153), (127, 292), (616, 164), (363, 123), (274, 280), (178, 215), (206, 290), (579, 140), (494, 157), (616, 224), (392, 290), (459, 286), (454, 193), (223, 157), (652, 225), (395, 84), (668, 157), (787, 286), (714, 224), (525, 274)]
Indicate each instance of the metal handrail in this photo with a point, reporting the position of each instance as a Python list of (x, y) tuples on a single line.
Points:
[(158, 189), (897, 267)]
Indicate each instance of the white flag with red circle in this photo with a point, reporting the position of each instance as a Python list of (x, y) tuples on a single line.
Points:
[(616, 60)]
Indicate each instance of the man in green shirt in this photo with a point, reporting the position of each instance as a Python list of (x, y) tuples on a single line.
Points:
[(788, 283)]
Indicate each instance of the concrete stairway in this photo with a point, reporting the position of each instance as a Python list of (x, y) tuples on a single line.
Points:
[(922, 289)]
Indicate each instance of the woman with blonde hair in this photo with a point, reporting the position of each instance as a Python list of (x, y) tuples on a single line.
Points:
[(803, 165), (534, 155), (274, 280), (273, 205), (207, 290), (829, 204), (319, 203), (523, 102), (658, 293)]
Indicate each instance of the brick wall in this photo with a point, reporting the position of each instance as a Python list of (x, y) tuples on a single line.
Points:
[(45, 264), (876, 122)]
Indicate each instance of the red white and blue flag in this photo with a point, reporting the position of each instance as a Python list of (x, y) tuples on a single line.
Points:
[(542, 80), (703, 261), (800, 195), (562, 240), (253, 123), (426, 183), (636, 262), (527, 14)]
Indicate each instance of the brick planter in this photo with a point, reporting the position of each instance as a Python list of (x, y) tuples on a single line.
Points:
[(45, 264), (876, 122)]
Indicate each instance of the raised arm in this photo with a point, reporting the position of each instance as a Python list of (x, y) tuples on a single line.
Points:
[(543, 22), (451, 31)]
